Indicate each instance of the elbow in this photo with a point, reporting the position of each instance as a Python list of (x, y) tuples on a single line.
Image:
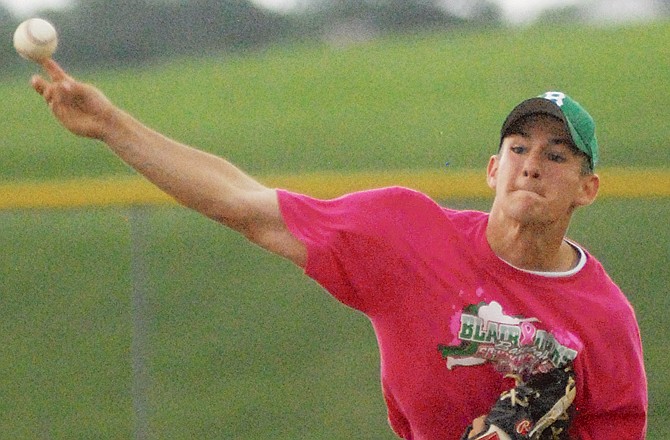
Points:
[(250, 213), (240, 215), (236, 219)]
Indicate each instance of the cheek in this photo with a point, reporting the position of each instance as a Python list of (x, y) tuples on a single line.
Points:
[(505, 175), (567, 191)]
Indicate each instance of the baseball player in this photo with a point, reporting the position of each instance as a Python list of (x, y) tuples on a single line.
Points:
[(490, 325)]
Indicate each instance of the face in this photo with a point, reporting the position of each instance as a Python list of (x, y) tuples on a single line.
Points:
[(537, 174)]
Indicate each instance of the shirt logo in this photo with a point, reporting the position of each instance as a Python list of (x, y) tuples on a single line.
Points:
[(513, 344)]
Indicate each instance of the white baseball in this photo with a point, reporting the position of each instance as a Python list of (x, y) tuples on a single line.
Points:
[(35, 39)]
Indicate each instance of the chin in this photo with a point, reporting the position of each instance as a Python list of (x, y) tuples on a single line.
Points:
[(527, 211)]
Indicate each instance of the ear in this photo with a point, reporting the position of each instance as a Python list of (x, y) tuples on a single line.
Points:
[(492, 171), (589, 190)]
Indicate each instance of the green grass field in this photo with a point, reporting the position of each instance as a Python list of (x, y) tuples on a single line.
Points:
[(242, 345)]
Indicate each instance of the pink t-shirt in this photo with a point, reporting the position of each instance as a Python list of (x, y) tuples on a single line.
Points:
[(451, 318)]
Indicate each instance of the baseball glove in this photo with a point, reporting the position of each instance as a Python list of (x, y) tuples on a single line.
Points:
[(538, 409)]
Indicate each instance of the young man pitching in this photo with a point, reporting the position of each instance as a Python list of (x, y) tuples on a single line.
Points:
[(490, 325)]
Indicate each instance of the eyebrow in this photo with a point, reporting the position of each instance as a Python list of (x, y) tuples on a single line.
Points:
[(558, 140), (562, 140), (519, 132)]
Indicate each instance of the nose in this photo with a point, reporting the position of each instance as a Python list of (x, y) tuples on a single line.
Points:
[(531, 167)]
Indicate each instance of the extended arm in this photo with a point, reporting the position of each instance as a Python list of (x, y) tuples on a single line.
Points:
[(198, 180)]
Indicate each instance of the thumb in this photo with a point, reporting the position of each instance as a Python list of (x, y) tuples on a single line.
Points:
[(39, 84)]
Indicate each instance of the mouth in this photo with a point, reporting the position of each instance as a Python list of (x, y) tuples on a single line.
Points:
[(529, 191)]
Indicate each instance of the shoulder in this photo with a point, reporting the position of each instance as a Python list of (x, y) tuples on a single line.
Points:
[(393, 198), (390, 196), (604, 291), (596, 274), (376, 212), (379, 212), (396, 198)]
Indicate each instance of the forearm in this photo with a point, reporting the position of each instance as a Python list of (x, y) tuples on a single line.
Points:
[(196, 179)]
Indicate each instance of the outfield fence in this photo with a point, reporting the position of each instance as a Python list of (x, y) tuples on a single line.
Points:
[(439, 184)]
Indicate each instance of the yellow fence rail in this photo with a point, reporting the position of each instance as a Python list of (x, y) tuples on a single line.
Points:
[(439, 184)]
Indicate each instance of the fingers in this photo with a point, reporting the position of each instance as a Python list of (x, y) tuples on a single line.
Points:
[(61, 83), (478, 426), (56, 74), (54, 70)]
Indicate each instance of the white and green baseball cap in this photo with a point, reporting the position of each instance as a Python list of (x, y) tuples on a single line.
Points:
[(577, 120)]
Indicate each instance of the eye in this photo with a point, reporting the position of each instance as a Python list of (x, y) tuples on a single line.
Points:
[(518, 149), (556, 157)]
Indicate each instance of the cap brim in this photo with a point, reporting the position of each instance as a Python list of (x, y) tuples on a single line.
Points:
[(533, 106)]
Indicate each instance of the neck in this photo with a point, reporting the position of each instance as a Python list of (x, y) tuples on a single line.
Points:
[(537, 247)]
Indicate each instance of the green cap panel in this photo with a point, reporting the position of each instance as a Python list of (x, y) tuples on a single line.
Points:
[(581, 124)]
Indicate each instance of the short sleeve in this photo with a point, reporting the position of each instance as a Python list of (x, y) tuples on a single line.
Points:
[(359, 245)]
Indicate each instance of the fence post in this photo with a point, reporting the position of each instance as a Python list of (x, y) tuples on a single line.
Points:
[(140, 321)]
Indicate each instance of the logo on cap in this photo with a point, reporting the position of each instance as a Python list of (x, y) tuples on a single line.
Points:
[(557, 97)]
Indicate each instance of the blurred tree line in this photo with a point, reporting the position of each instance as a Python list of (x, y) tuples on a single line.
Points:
[(127, 32)]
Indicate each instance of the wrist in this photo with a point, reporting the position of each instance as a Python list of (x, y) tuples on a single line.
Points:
[(115, 127)]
